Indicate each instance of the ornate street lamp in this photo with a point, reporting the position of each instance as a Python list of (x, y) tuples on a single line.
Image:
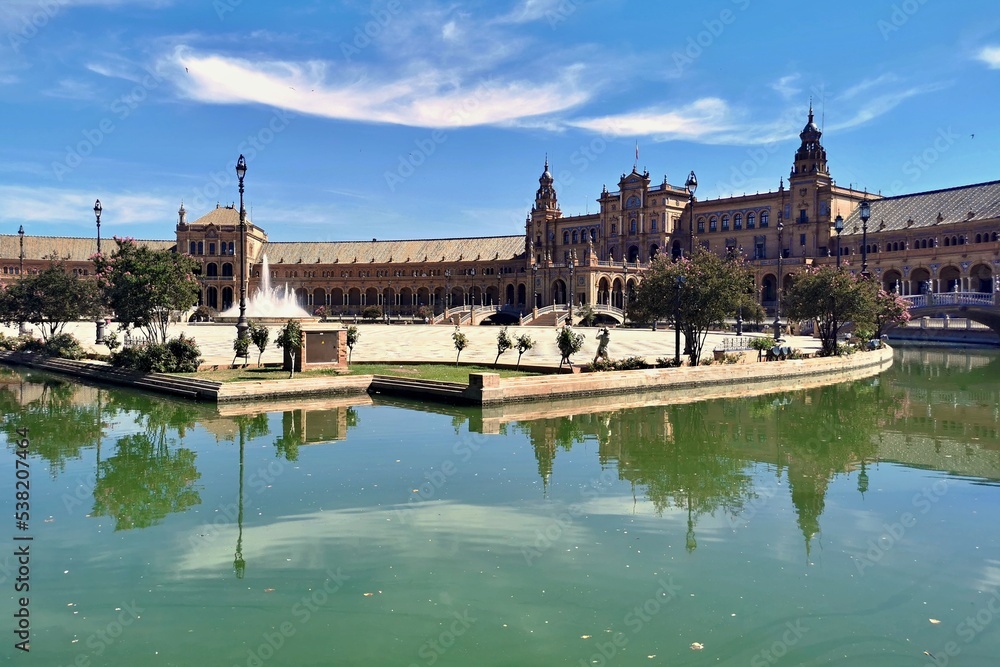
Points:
[(447, 289), (866, 214), (677, 319), (534, 286), (691, 184), (571, 290), (777, 290), (473, 299), (624, 291), (22, 328), (100, 317), (838, 225), (739, 307), (241, 324)]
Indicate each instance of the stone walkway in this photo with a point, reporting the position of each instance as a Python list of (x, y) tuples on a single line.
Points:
[(382, 343)]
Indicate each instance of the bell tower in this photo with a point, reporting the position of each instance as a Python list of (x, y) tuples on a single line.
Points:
[(541, 223), (810, 159)]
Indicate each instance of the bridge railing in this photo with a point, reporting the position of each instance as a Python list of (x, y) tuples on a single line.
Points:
[(951, 299)]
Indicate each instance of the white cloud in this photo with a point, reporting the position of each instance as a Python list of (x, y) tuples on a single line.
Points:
[(534, 10), (990, 55), (421, 96), (25, 204), (784, 87), (696, 121)]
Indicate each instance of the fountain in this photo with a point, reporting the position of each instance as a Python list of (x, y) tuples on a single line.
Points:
[(268, 302)]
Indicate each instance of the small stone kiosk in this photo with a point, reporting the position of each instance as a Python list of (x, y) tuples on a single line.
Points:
[(323, 346)]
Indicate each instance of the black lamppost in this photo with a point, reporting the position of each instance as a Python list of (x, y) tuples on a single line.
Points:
[(447, 289), (241, 324), (838, 225), (777, 306), (534, 286), (677, 320), (866, 214), (691, 184), (22, 327), (624, 291), (739, 306), (570, 292), (473, 272), (100, 318)]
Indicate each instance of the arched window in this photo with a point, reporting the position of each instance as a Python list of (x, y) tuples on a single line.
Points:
[(593, 235), (576, 236), (632, 226), (566, 238), (738, 221), (227, 270), (713, 224), (751, 220), (725, 223), (212, 270), (961, 240), (192, 247), (652, 225), (978, 238), (201, 247), (764, 217), (701, 225), (947, 241), (211, 248)]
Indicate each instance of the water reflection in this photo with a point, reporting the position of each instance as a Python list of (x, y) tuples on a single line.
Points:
[(694, 456)]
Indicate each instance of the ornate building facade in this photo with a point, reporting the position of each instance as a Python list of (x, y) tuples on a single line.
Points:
[(939, 241)]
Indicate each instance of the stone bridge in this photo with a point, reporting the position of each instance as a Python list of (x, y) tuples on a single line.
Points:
[(982, 307)]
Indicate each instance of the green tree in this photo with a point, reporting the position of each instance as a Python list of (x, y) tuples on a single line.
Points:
[(143, 286), (290, 339), (49, 299), (371, 313), (890, 310), (695, 293), (831, 296), (523, 343), (461, 342), (587, 315), (259, 336), (353, 336), (504, 343), (569, 343)]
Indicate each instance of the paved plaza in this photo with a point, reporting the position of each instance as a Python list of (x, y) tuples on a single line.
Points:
[(433, 343)]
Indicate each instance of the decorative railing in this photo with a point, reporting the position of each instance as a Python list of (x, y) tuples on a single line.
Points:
[(951, 299)]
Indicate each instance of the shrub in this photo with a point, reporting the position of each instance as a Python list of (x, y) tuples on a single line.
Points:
[(666, 362), (8, 342), (762, 344), (64, 346), (732, 358), (630, 364), (177, 355), (111, 341), (29, 344), (320, 312), (371, 313)]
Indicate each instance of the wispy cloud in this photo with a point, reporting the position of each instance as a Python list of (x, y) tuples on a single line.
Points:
[(72, 89), (419, 96), (990, 55), (701, 119), (784, 86), (532, 10), (26, 204), (882, 104)]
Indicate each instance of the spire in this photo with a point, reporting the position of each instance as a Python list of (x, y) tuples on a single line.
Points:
[(182, 214), (810, 159), (545, 197)]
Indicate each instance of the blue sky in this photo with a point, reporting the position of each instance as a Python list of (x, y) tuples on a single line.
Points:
[(414, 119)]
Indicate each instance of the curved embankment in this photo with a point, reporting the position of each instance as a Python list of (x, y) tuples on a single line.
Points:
[(489, 389)]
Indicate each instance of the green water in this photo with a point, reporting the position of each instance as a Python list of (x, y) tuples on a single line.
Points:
[(816, 527)]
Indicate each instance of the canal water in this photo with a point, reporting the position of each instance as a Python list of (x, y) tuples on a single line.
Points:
[(852, 524)]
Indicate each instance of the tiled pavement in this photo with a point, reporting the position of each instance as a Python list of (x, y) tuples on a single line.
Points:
[(380, 342)]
